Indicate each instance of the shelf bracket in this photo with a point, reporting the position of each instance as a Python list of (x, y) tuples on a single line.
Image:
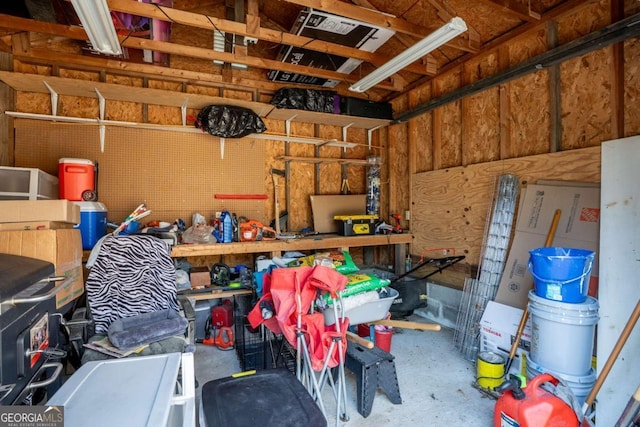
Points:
[(344, 135), (102, 129), (369, 135), (183, 111), (54, 99)]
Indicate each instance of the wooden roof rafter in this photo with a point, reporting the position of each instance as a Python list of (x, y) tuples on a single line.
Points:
[(524, 12), (246, 30), (384, 20)]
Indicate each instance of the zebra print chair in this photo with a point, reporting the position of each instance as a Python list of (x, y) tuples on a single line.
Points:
[(132, 298)]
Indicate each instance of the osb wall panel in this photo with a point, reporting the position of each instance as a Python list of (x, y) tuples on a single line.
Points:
[(480, 115), (529, 107), (175, 174), (451, 205), (589, 18), (632, 87), (301, 179), (586, 100), (421, 129)]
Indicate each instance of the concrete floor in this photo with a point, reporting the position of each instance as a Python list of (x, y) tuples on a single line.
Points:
[(435, 383)]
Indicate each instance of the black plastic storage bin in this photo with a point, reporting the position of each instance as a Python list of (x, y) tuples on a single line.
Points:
[(267, 398), (365, 108)]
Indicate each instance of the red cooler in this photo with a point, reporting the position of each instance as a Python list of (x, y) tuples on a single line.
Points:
[(76, 179)]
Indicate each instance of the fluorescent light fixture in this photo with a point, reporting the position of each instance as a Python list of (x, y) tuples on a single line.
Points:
[(96, 21), (442, 35)]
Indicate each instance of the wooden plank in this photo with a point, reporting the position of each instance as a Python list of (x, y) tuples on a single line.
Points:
[(85, 88), (617, 76), (555, 94), (454, 203), (278, 246), (326, 118)]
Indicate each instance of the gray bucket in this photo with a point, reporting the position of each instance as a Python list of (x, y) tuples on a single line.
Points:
[(580, 385), (562, 334)]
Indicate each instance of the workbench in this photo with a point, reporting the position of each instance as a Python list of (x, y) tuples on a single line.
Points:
[(275, 248)]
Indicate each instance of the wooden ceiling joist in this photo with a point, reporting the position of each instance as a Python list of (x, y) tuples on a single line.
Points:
[(514, 8), (189, 51), (383, 20), (208, 22)]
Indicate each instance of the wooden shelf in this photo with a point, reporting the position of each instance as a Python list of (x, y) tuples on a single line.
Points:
[(276, 247), (358, 162), (110, 91)]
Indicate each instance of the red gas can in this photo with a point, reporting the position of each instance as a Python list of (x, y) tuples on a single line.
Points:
[(222, 315), (533, 406)]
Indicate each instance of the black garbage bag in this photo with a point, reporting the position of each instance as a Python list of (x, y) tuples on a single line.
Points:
[(306, 99), (228, 121)]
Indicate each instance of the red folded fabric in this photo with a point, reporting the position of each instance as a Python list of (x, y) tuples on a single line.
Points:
[(328, 279)]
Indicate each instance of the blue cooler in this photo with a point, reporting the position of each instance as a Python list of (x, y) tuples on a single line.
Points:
[(93, 223)]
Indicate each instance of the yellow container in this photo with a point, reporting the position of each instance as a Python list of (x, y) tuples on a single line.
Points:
[(490, 369)]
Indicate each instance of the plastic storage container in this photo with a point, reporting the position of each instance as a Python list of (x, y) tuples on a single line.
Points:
[(27, 184), (77, 179), (561, 274), (93, 223), (365, 313)]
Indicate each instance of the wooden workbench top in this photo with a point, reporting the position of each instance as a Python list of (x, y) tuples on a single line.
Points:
[(330, 241)]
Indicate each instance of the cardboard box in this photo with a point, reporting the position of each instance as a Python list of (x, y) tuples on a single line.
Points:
[(39, 210), (199, 277), (325, 207), (63, 248), (579, 227), (498, 328), (34, 225)]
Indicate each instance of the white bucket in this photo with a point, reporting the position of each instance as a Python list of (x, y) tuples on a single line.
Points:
[(562, 334), (580, 385)]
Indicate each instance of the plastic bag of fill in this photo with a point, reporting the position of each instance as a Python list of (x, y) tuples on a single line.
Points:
[(228, 121), (323, 101)]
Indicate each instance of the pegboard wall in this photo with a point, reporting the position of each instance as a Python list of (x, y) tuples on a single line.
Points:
[(176, 174)]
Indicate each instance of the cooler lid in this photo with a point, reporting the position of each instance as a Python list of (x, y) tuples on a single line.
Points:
[(19, 272), (75, 161), (91, 206)]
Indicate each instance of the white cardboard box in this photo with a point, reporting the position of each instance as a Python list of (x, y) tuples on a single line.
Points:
[(498, 328), (579, 227)]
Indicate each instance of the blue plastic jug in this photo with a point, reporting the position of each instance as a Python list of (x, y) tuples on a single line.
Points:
[(227, 227)]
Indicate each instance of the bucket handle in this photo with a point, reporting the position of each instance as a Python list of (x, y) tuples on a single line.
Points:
[(587, 271)]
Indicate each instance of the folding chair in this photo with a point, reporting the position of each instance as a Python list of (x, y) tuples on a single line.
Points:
[(319, 348), (132, 297)]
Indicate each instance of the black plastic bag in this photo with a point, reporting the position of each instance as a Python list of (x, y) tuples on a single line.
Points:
[(228, 121), (306, 99)]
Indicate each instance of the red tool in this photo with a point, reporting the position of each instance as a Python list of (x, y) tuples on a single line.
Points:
[(222, 315), (221, 338), (397, 228), (532, 407)]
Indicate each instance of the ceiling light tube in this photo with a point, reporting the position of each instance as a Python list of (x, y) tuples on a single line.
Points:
[(442, 35), (96, 21)]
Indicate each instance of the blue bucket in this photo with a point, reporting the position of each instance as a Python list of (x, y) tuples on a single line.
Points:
[(561, 274)]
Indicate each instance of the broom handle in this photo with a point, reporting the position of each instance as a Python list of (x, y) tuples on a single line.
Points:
[(622, 339), (408, 325), (525, 313)]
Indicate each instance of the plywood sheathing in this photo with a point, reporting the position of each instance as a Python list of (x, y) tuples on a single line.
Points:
[(632, 87), (454, 203), (480, 118), (586, 83)]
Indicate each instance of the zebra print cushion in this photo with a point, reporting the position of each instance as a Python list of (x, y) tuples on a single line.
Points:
[(131, 275)]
